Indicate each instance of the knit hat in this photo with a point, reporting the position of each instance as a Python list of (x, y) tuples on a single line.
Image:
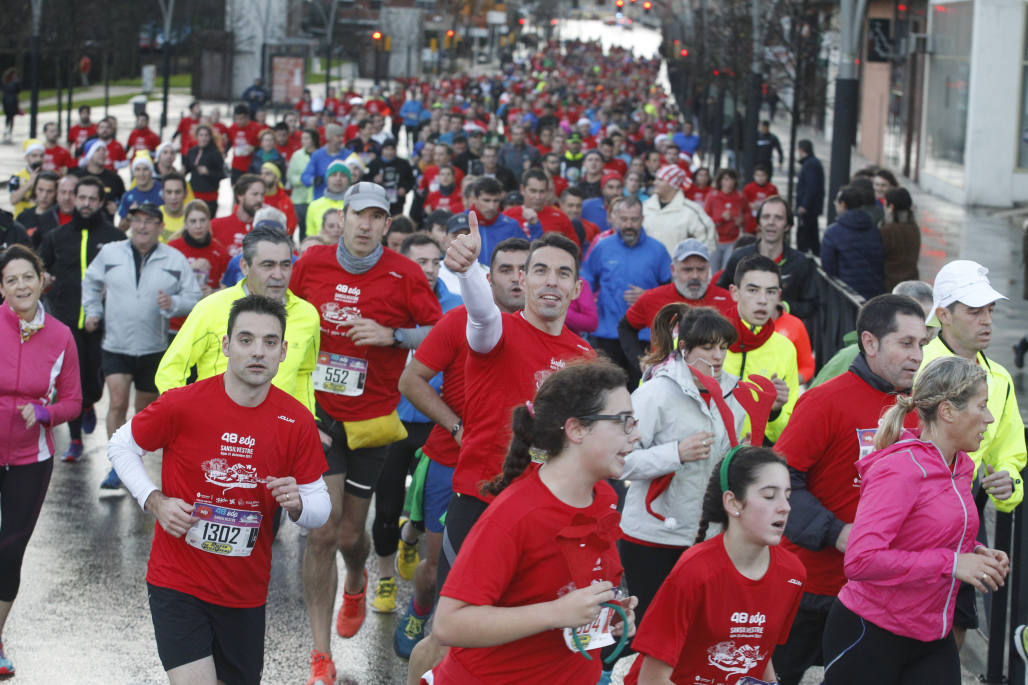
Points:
[(609, 176), (672, 175), (32, 145), (273, 168), (338, 166), (91, 147)]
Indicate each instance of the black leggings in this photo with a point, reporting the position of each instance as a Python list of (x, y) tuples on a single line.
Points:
[(90, 376), (857, 652), (22, 491), (392, 487)]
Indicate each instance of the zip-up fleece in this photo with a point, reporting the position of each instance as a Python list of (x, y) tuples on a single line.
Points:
[(43, 370), (915, 516)]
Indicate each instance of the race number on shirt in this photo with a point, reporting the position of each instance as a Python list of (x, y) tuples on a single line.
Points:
[(340, 375), (224, 531)]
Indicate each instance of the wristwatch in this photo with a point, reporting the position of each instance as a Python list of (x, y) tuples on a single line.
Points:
[(397, 337), (456, 428)]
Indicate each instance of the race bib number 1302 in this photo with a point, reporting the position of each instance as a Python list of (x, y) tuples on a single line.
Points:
[(224, 531)]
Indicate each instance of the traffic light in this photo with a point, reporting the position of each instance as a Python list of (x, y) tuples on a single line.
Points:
[(620, 4), (377, 35), (647, 6), (684, 52)]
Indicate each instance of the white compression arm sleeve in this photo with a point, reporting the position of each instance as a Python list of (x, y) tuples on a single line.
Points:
[(485, 324), (127, 458), (316, 504)]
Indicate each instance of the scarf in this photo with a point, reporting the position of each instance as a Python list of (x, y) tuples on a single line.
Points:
[(30, 328), (357, 265), (193, 242), (335, 197), (749, 339)]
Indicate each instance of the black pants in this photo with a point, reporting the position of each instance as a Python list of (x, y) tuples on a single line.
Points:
[(611, 347), (807, 238), (858, 652), (90, 362), (461, 515), (392, 487), (646, 569), (803, 648), (22, 491)]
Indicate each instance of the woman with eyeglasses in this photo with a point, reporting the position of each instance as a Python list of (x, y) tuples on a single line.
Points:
[(541, 561), (684, 433)]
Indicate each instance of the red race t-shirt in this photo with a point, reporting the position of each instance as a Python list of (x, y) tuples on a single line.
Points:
[(393, 293), (143, 139), (79, 134), (115, 153), (57, 157), (551, 219), (833, 426), (217, 455), (640, 315), (452, 203), (241, 136), (498, 381), (530, 547), (445, 349), (209, 273), (714, 625), (755, 194), (230, 231)]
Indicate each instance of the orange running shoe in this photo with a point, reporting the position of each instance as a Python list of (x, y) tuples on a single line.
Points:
[(323, 671), (351, 615)]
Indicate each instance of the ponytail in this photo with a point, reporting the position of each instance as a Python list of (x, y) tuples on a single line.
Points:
[(518, 454), (739, 474), (891, 424), (664, 333)]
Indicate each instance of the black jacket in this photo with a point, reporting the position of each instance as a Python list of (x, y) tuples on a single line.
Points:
[(799, 280), (37, 225), (60, 251), (210, 157), (11, 231), (810, 186)]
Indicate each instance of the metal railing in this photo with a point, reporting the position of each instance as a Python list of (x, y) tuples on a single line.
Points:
[(836, 316)]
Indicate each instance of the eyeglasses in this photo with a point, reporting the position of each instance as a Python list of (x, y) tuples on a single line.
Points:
[(628, 422)]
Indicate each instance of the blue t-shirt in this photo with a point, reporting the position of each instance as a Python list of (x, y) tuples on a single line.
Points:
[(135, 196)]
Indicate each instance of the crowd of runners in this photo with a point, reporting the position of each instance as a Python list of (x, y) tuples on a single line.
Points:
[(555, 339)]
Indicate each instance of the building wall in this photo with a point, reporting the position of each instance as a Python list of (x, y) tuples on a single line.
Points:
[(254, 23), (874, 93)]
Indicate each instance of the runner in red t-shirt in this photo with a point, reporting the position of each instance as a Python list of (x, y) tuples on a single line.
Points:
[(445, 350), (690, 283), (275, 196), (186, 130), (370, 305), (234, 449), (535, 188), (731, 599), (831, 428), (230, 230), (243, 138), (55, 157), (206, 256), (755, 192), (141, 137), (82, 131), (511, 354), (447, 196), (541, 562)]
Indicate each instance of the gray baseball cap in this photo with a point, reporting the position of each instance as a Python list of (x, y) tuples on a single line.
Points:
[(365, 194), (689, 247)]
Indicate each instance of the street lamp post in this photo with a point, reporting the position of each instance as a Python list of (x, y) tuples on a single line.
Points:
[(167, 9), (37, 19), (847, 83)]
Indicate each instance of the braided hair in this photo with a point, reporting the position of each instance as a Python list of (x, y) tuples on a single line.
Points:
[(946, 379), (579, 389)]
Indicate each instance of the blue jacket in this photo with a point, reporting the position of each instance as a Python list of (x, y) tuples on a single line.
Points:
[(502, 228), (405, 409), (810, 186), (135, 196), (612, 267), (316, 168), (852, 251), (595, 211), (411, 112)]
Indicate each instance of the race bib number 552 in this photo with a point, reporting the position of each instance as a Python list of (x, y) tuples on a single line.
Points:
[(340, 375), (224, 531)]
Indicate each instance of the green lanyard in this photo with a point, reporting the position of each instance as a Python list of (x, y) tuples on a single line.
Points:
[(616, 606)]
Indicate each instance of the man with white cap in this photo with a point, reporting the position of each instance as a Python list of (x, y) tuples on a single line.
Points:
[(146, 190), (963, 306), (22, 181), (670, 218), (370, 300)]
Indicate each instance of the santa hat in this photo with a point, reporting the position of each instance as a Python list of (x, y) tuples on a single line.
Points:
[(90, 149), (32, 145), (672, 175)]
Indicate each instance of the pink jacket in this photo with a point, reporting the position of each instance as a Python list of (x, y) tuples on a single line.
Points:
[(913, 519), (43, 371)]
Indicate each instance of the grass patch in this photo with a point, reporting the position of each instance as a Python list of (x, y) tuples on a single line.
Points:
[(177, 81)]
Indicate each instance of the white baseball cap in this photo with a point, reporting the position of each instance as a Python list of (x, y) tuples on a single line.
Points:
[(962, 281)]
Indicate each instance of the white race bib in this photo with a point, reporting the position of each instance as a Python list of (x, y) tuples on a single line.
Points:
[(595, 635), (224, 531), (340, 375)]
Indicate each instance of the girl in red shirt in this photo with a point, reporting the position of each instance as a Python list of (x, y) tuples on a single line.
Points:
[(729, 600), (700, 188), (541, 561), (207, 256), (728, 208)]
